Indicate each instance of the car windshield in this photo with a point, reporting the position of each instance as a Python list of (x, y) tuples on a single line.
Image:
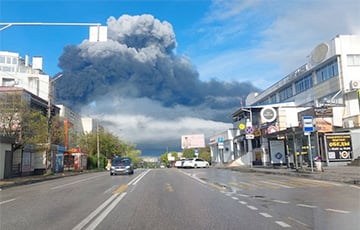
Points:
[(179, 114), (121, 162)]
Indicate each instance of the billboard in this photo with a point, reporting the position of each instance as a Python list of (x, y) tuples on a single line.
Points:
[(277, 151), (338, 146), (193, 141)]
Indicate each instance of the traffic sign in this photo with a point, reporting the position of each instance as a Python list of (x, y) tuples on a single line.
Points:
[(241, 126), (249, 136), (249, 130), (308, 124)]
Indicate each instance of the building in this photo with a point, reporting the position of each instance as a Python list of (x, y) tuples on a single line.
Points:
[(16, 71), (29, 159), (326, 89)]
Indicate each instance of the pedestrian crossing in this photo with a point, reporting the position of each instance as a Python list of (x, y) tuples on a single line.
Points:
[(277, 184)]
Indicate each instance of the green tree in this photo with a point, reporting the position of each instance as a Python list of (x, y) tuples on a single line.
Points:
[(109, 146), (189, 153), (204, 153)]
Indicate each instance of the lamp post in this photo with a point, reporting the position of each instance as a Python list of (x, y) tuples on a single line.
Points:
[(50, 96), (97, 144), (249, 123)]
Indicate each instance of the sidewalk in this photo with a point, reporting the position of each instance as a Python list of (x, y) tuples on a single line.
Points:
[(33, 179), (343, 174)]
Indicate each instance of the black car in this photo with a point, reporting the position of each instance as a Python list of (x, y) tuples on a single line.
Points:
[(121, 165)]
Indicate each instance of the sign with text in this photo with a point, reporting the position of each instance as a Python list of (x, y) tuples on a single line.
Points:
[(338, 146), (193, 141), (308, 124)]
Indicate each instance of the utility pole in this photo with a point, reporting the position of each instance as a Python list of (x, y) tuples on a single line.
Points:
[(97, 144)]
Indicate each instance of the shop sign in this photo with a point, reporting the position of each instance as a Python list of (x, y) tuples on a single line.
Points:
[(268, 114), (338, 146)]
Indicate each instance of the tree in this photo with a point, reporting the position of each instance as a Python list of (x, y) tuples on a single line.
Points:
[(28, 126), (204, 153), (109, 146), (188, 153)]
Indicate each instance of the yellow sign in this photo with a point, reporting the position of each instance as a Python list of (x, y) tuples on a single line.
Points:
[(242, 126)]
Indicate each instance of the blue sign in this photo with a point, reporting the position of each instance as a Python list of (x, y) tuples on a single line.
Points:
[(220, 140), (308, 124)]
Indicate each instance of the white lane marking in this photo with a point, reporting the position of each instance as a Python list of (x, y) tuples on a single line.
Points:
[(306, 206), (6, 201), (277, 184), (264, 214), (298, 221), (355, 186), (138, 178), (94, 213), (252, 207), (336, 210), (242, 202), (283, 224), (281, 201), (234, 198), (111, 189), (75, 182), (106, 212), (243, 195)]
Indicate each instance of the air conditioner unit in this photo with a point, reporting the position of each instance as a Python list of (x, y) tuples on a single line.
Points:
[(355, 84)]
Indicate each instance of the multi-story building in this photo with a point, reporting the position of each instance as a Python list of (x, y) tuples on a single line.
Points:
[(19, 72), (327, 90)]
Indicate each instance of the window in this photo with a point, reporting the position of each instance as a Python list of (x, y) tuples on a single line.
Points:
[(353, 59), (285, 93), (303, 84), (327, 72), (273, 99)]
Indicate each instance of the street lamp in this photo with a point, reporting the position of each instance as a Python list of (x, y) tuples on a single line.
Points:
[(249, 123), (50, 96)]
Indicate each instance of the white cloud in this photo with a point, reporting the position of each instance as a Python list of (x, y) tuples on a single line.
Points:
[(277, 35)]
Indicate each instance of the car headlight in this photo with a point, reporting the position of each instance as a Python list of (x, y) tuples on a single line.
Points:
[(127, 167), (112, 167)]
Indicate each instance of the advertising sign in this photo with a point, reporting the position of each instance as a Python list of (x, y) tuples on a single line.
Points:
[(277, 151), (338, 146), (192, 141)]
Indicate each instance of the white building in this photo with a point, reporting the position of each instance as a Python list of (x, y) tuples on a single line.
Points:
[(19, 72), (326, 88)]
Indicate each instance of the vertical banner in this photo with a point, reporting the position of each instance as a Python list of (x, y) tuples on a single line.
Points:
[(277, 151)]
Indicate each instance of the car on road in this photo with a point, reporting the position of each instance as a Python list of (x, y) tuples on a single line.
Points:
[(195, 163), (121, 165), (179, 163)]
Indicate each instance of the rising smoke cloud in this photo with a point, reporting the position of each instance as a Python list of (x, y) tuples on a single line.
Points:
[(139, 87)]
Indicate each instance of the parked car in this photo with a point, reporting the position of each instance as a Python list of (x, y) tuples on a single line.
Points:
[(179, 163), (195, 163), (121, 165)]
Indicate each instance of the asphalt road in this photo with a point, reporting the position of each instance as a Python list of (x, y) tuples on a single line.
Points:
[(181, 199)]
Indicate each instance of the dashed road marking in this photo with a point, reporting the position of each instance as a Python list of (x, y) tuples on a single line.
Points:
[(252, 207), (234, 198), (121, 189), (298, 221), (306, 206), (281, 201), (264, 214), (242, 202), (6, 201), (169, 188), (283, 224), (337, 211)]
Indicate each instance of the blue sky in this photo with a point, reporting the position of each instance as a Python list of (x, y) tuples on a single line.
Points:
[(257, 41)]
